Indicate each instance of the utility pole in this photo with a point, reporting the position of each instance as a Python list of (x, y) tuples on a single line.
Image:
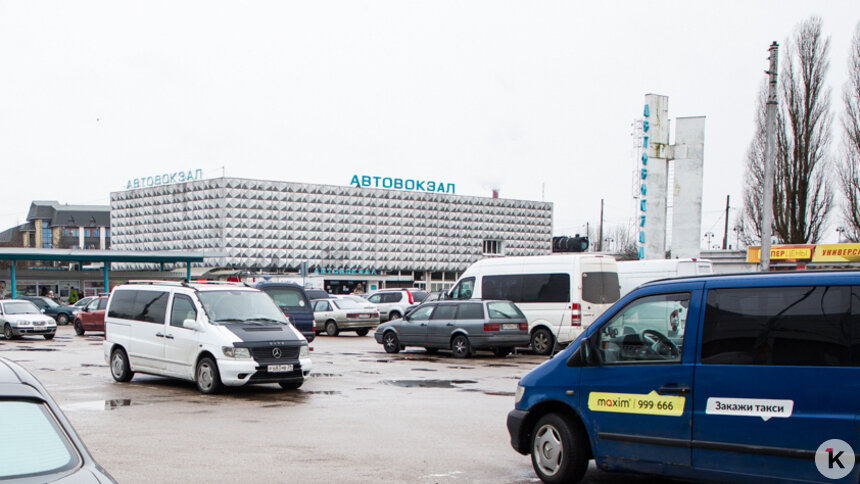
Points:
[(600, 236), (769, 160), (726, 232)]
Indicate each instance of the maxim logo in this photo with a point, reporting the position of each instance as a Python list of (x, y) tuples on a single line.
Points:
[(615, 402)]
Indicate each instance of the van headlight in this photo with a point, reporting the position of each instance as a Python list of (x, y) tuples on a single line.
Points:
[(521, 390), (233, 352), (304, 352)]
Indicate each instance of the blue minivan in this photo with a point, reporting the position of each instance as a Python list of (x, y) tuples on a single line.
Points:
[(741, 378), (294, 303)]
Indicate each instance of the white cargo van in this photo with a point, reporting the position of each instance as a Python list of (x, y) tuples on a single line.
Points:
[(560, 294), (633, 273)]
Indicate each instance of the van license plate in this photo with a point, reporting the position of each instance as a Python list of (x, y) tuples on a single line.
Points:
[(279, 368), (510, 326)]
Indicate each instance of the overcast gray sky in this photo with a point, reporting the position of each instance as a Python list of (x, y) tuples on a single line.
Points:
[(535, 98)]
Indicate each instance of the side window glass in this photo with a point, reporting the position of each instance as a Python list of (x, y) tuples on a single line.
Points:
[(394, 297), (375, 299), (122, 305), (422, 313), (150, 306), (648, 329), (93, 305), (325, 306), (797, 326), (508, 288), (464, 289), (183, 308), (102, 303), (470, 311), (445, 311)]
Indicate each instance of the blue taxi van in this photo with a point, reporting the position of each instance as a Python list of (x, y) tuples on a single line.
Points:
[(740, 378)]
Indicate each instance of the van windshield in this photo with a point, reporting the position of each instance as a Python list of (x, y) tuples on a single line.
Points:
[(240, 307), (600, 287)]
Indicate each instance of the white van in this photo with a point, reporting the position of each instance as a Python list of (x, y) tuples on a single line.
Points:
[(633, 273), (212, 334), (560, 294)]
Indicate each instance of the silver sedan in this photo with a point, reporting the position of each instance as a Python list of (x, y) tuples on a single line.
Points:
[(336, 315)]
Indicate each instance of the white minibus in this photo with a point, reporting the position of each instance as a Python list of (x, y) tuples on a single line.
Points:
[(633, 273), (560, 294)]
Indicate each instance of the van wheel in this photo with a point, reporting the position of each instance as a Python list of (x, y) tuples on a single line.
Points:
[(362, 331), (119, 367), (331, 328), (290, 385), (461, 347), (391, 342), (208, 379), (542, 341), (79, 328), (559, 451)]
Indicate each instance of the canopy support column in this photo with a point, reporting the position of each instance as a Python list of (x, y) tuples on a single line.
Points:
[(13, 280)]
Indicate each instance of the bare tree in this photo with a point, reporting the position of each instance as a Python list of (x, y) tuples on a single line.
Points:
[(850, 172), (802, 195), (623, 237), (751, 218)]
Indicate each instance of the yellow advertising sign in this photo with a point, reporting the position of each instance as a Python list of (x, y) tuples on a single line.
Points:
[(836, 253), (781, 252), (649, 404)]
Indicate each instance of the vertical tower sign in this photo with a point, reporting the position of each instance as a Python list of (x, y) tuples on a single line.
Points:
[(653, 177)]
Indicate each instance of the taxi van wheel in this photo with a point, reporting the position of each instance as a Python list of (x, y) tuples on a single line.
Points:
[(542, 342), (362, 331), (48, 336), (331, 328), (559, 451), (208, 379), (461, 347), (391, 342), (119, 367), (79, 328), (62, 319), (290, 385)]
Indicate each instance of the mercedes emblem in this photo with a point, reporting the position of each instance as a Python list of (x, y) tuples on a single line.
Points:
[(276, 352)]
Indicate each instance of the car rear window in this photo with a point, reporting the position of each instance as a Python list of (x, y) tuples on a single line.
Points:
[(287, 297), (419, 296), (32, 444), (600, 287), (504, 310)]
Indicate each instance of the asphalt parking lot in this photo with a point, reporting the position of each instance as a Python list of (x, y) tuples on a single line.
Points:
[(363, 416)]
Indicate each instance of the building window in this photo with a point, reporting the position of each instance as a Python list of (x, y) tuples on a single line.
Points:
[(74, 232), (492, 247), (47, 237)]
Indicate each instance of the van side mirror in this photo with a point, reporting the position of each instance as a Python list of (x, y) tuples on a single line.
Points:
[(191, 324), (588, 353)]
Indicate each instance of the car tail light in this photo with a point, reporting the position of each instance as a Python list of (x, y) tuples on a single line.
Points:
[(352, 315), (411, 299), (575, 315), (524, 326), (491, 326)]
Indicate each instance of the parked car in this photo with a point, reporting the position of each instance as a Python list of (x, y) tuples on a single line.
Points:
[(92, 316), (741, 378), (214, 334), (22, 318), (62, 314), (39, 444), (294, 303), (340, 314), (82, 302), (560, 294), (394, 303), (461, 326)]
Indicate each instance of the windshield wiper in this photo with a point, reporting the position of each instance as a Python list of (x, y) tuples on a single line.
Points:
[(229, 320), (268, 320)]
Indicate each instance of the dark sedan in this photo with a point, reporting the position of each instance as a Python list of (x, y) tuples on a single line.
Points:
[(62, 313)]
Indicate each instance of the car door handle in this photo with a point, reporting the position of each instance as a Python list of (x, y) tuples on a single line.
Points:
[(450, 324), (160, 335), (423, 324), (673, 389), (168, 336)]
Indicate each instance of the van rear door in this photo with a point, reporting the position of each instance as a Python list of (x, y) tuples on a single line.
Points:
[(599, 287)]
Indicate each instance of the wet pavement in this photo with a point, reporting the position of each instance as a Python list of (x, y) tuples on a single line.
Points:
[(363, 416)]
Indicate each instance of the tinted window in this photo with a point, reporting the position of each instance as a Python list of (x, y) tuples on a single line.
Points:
[(183, 308), (463, 289), (540, 288), (419, 296), (470, 311), (287, 297), (122, 305), (392, 297), (444, 311), (600, 287), (502, 287), (802, 326), (150, 306), (102, 303)]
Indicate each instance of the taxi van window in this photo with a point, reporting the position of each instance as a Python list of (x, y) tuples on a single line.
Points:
[(648, 329), (795, 326)]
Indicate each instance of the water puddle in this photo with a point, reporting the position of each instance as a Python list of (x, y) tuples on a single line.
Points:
[(423, 369), (326, 374), (428, 383), (462, 367), (99, 405), (369, 372), (501, 365), (500, 394), (93, 365), (29, 348)]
